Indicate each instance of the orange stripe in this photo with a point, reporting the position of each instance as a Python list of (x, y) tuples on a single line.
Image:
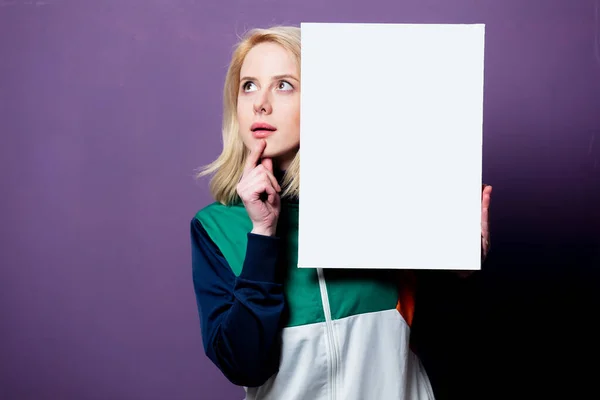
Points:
[(407, 287)]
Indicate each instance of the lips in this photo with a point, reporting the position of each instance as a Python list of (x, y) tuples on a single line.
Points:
[(261, 129), (261, 126)]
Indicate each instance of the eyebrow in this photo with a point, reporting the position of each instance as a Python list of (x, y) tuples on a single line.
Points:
[(276, 77)]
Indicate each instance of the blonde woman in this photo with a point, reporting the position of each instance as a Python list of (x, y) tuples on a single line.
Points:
[(277, 330)]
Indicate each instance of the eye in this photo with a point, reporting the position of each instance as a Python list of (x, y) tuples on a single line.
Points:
[(248, 86), (283, 85)]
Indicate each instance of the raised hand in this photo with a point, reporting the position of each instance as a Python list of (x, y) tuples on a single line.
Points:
[(485, 220), (486, 195), (259, 190)]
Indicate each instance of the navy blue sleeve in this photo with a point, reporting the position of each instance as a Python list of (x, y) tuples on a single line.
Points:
[(240, 317)]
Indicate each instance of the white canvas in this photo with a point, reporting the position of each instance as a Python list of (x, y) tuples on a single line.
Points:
[(391, 143)]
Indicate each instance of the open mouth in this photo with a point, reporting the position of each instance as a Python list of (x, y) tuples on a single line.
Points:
[(262, 127), (261, 130)]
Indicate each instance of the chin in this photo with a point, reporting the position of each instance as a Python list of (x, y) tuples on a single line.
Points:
[(272, 154), (275, 149)]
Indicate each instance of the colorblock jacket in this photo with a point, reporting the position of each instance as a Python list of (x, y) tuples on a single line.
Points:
[(290, 333)]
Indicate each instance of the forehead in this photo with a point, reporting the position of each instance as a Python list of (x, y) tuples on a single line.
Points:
[(268, 59)]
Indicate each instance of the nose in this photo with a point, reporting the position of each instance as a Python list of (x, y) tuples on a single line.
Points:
[(262, 104)]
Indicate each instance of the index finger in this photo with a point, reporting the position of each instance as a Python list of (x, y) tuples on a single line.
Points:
[(254, 156)]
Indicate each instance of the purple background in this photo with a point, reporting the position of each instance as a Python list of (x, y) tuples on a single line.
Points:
[(106, 108)]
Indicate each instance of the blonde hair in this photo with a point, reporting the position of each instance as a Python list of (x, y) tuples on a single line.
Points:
[(228, 167)]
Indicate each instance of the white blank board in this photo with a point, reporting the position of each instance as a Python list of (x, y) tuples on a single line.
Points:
[(391, 143)]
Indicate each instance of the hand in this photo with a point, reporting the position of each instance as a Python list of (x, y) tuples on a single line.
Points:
[(486, 196), (259, 190), (485, 221)]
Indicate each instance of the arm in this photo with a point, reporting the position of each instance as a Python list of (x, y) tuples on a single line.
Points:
[(239, 316)]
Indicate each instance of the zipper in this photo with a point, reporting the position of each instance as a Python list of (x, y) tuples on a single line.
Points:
[(333, 354)]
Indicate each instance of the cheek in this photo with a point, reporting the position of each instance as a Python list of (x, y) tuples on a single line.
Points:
[(244, 121), (296, 120), (240, 112), (244, 118), (297, 115), (293, 111)]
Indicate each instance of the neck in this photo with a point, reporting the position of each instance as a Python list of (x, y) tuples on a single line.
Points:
[(279, 173), (282, 165)]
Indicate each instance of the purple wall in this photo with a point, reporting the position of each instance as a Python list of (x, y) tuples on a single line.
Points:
[(106, 108)]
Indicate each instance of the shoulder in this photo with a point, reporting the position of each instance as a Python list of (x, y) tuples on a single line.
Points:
[(209, 210), (223, 229), (226, 225), (219, 213)]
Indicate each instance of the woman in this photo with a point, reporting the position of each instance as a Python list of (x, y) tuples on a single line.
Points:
[(280, 331)]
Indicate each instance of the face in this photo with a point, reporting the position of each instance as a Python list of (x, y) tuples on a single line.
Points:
[(269, 102)]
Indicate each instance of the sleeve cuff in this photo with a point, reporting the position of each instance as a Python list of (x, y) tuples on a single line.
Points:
[(262, 253)]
